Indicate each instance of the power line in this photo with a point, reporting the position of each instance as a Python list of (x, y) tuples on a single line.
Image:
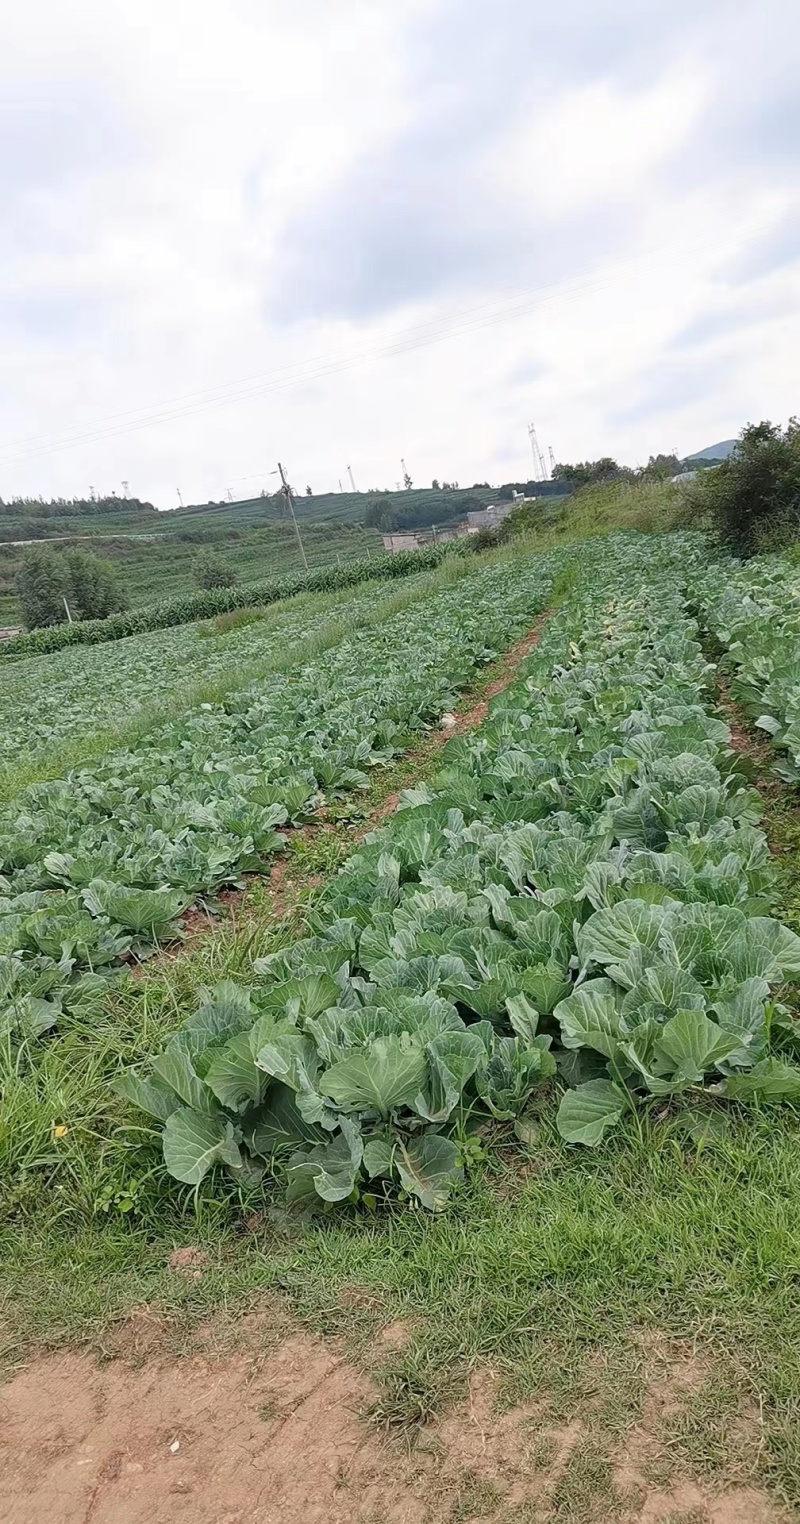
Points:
[(432, 332)]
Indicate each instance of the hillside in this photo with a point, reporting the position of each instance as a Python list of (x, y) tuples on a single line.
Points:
[(719, 451), (158, 566), (154, 549), (119, 516)]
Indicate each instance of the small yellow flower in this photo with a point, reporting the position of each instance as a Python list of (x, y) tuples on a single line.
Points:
[(60, 1131)]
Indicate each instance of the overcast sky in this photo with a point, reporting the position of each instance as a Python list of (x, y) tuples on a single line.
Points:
[(235, 231)]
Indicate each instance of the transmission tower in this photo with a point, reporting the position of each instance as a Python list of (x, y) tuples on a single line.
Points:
[(539, 467), (350, 474), (126, 487), (180, 499), (552, 459)]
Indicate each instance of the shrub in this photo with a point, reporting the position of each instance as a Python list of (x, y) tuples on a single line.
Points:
[(753, 499), (211, 570)]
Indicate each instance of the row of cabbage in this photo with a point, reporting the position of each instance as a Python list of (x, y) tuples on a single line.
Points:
[(47, 702), (581, 891), (753, 612), (96, 867)]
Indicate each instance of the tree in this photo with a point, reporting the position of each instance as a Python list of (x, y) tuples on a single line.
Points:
[(407, 482), (46, 578), (435, 485), (753, 498), (210, 570), (309, 493), (588, 472), (94, 590), (659, 467), (378, 516), (41, 585)]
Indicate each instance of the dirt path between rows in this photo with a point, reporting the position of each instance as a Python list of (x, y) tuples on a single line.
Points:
[(283, 882), (279, 1437)]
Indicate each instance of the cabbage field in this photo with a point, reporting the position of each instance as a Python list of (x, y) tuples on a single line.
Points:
[(494, 1047), (580, 894), (578, 898), (53, 701), (99, 865)]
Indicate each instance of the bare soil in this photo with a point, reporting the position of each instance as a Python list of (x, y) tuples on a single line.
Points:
[(277, 1435)]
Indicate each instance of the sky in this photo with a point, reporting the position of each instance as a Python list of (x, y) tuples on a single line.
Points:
[(236, 232)]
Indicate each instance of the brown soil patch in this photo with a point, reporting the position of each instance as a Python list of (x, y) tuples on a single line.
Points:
[(465, 717), (749, 743), (674, 1375), (277, 1436), (189, 1262), (397, 1335)]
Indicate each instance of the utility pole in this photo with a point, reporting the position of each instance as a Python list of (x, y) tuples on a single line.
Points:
[(350, 474), (286, 493), (341, 488)]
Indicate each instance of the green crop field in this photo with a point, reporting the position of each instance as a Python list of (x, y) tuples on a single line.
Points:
[(160, 566), (425, 954), (154, 550)]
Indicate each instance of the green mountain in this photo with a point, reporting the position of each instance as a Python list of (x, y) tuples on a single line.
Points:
[(719, 451)]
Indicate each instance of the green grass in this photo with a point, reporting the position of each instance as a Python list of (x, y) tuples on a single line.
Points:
[(647, 507)]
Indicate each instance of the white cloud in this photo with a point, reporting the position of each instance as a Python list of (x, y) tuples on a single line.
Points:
[(598, 143), (200, 194)]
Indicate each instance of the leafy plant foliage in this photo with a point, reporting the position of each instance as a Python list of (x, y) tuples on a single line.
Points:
[(581, 890), (108, 858)]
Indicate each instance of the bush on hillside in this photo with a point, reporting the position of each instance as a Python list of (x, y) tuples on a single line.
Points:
[(588, 473), (752, 500), (211, 570)]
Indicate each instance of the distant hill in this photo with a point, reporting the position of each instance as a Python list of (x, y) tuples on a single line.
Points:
[(719, 451), (154, 550)]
